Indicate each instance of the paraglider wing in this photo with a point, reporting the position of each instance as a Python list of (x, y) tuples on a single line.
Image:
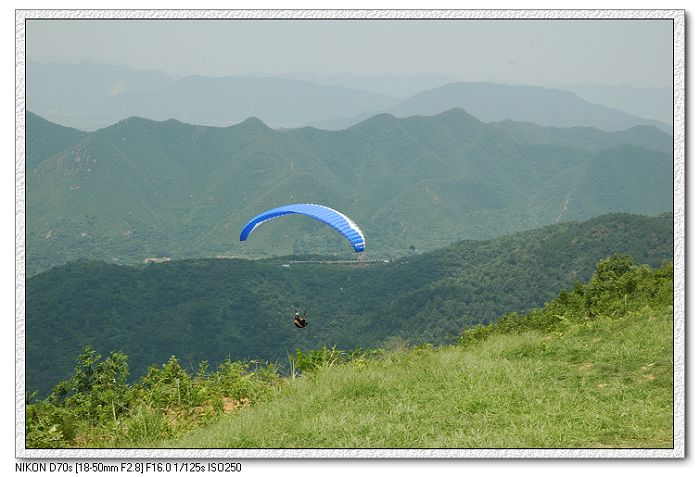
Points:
[(332, 217)]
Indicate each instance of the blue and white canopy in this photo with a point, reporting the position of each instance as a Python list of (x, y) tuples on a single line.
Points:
[(339, 221)]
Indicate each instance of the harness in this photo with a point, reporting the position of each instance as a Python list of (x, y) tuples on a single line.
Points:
[(300, 322)]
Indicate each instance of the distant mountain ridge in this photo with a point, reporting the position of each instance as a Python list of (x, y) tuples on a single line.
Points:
[(544, 106), (143, 189), (90, 96), (229, 100), (116, 93), (647, 102), (388, 84), (498, 102), (70, 94)]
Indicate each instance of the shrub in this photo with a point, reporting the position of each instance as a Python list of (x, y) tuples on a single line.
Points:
[(97, 406), (617, 287)]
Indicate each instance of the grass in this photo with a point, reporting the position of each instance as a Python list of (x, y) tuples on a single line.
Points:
[(605, 383)]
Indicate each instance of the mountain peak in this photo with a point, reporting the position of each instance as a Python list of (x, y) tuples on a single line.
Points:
[(451, 115), (134, 120), (378, 120), (456, 113), (252, 123), (137, 123)]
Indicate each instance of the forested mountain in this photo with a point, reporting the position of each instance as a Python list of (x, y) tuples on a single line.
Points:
[(47, 139), (141, 188), (209, 309)]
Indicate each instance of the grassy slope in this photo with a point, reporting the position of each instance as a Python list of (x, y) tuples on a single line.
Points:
[(601, 383)]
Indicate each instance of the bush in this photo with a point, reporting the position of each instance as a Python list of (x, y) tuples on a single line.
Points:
[(97, 407), (313, 360), (617, 287)]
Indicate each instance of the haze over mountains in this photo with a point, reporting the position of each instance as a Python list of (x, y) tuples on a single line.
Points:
[(90, 96), (141, 188), (386, 84)]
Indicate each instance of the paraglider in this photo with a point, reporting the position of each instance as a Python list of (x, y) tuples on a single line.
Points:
[(300, 320), (339, 221)]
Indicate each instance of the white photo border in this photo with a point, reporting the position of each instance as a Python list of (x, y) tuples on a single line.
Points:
[(679, 197)]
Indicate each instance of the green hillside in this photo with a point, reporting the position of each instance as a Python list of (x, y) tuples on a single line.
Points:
[(210, 309), (593, 368), (571, 375), (46, 139), (142, 189)]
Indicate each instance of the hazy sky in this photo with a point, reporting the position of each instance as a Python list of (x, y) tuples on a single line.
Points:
[(542, 52)]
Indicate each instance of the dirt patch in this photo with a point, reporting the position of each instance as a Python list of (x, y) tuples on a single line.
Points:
[(231, 405)]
